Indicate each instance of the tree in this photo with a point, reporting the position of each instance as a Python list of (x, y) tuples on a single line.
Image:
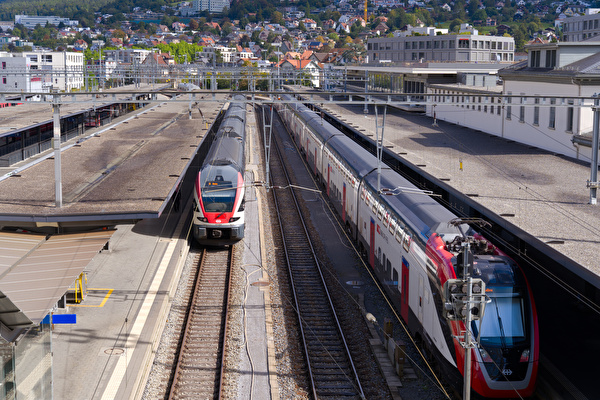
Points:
[(480, 15), (301, 26), (455, 25), (277, 18), (194, 25)]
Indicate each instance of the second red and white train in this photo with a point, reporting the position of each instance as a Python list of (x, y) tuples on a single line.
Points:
[(412, 247)]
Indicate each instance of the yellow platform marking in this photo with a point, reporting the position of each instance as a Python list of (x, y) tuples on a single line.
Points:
[(95, 290)]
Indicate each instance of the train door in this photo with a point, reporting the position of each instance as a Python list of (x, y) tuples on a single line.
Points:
[(316, 161), (307, 150), (404, 294), (328, 178), (421, 299), (372, 244), (344, 202)]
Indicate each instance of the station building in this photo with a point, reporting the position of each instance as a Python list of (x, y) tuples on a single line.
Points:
[(544, 101)]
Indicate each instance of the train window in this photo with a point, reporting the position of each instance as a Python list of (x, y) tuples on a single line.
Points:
[(384, 264), (386, 220), (375, 208), (218, 188), (392, 226), (406, 241), (399, 233), (388, 268), (362, 194)]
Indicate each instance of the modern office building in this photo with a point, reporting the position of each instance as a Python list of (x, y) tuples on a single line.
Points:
[(212, 6), (582, 27), (441, 48), (30, 21)]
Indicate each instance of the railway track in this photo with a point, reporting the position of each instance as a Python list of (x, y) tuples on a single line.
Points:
[(329, 363), (199, 368)]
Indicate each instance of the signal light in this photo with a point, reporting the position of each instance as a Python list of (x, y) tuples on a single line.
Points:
[(524, 356), (456, 299)]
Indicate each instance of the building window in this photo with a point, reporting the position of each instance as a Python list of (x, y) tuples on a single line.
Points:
[(3, 64), (552, 115), (535, 59), (522, 110), (4, 80), (570, 112), (509, 108), (550, 58), (536, 112)]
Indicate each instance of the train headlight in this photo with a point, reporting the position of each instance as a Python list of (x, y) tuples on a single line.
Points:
[(202, 219), (524, 356), (233, 219), (485, 357)]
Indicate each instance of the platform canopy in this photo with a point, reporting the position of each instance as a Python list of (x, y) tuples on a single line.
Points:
[(37, 270)]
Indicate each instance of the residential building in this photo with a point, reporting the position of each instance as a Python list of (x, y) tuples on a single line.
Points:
[(441, 48), (41, 71), (295, 70), (127, 56)]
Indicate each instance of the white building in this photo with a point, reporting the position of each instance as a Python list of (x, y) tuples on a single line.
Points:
[(227, 53), (545, 101), (127, 56), (30, 22), (41, 71), (212, 6)]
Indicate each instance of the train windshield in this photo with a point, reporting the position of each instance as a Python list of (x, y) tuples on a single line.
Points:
[(218, 188), (503, 322)]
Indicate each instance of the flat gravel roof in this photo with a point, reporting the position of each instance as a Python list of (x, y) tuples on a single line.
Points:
[(128, 168), (546, 193)]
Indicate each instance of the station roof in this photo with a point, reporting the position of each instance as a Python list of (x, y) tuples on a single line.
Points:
[(37, 270), (126, 171)]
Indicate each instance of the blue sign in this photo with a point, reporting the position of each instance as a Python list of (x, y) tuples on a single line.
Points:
[(60, 319)]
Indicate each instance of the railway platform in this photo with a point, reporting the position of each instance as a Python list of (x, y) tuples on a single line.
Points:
[(128, 170)]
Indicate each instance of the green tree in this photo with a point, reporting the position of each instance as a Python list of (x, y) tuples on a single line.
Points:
[(455, 25)]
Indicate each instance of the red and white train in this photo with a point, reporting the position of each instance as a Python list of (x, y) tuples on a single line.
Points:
[(219, 188), (413, 248)]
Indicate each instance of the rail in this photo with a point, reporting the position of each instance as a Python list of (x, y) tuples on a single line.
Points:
[(331, 368), (199, 369)]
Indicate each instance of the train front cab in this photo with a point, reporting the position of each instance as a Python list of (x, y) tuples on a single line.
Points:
[(219, 213)]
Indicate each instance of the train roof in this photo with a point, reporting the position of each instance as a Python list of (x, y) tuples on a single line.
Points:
[(419, 209), (225, 151)]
